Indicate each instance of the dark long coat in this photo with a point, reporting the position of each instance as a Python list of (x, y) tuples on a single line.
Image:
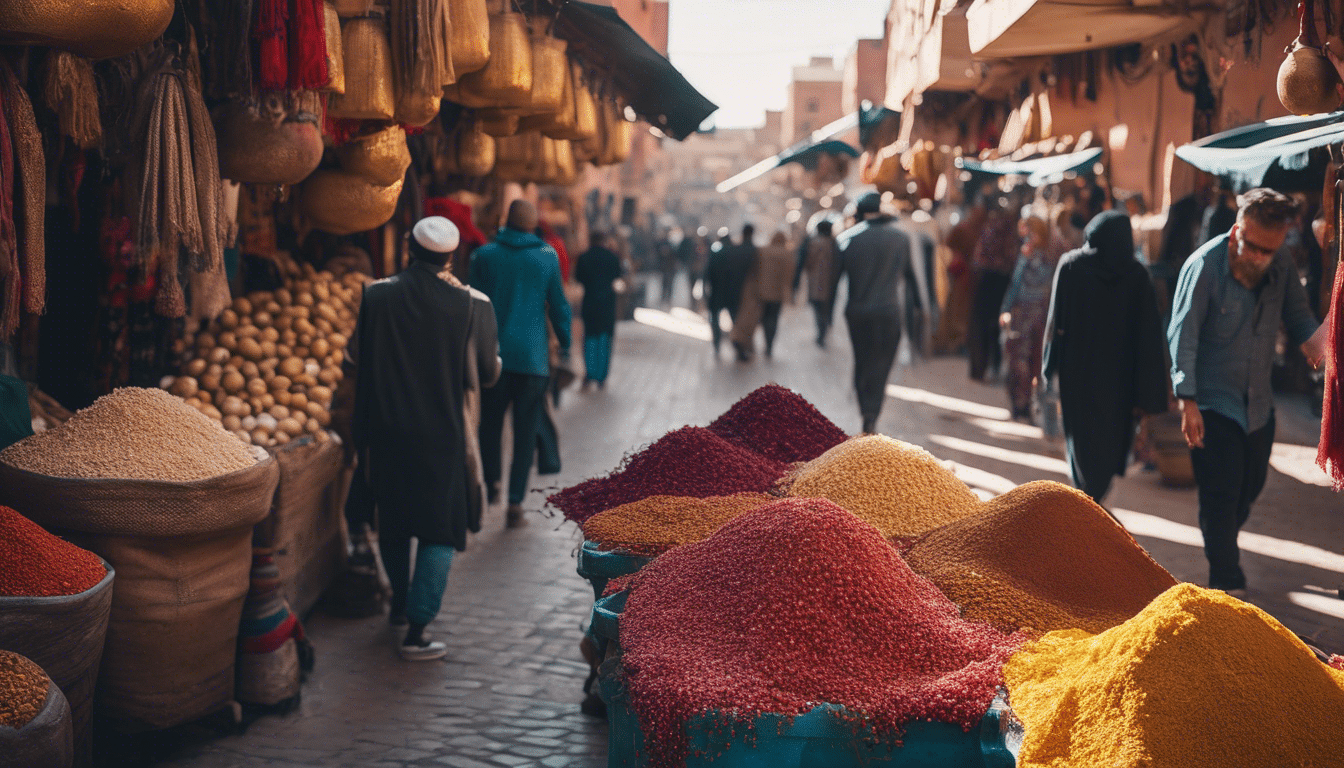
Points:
[(1104, 338), (410, 348), (596, 269)]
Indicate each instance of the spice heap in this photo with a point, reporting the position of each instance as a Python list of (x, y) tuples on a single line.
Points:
[(780, 424), (1197, 679), (1042, 556), (899, 488), (23, 690), (654, 525), (691, 461), (38, 564), (135, 434), (268, 366), (791, 605)]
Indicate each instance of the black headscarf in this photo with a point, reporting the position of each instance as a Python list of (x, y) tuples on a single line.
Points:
[(1110, 237)]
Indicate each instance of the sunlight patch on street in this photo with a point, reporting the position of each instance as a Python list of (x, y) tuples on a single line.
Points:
[(912, 395), (1010, 428), (1021, 458), (1299, 463), (672, 324), (1324, 604)]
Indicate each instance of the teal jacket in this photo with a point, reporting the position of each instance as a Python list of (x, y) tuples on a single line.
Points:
[(521, 275)]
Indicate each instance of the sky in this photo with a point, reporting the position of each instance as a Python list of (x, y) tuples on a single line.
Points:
[(740, 53)]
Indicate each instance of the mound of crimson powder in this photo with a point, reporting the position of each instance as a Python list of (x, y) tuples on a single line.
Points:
[(790, 606), (38, 564), (691, 461), (778, 423)]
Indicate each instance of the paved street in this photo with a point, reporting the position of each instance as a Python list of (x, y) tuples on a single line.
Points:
[(508, 692)]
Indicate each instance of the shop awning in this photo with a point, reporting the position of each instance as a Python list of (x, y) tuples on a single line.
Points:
[(1000, 29), (944, 62), (642, 76), (1249, 155), (1039, 171), (806, 152)]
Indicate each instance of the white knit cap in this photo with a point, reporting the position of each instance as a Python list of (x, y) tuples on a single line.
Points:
[(436, 233)]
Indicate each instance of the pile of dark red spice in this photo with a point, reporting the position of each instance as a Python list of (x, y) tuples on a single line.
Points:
[(789, 606), (778, 423), (33, 563), (691, 461)]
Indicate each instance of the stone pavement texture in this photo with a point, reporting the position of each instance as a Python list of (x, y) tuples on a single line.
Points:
[(508, 693)]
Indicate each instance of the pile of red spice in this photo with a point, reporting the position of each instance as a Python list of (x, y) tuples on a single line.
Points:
[(37, 564), (778, 423), (793, 605), (691, 461)]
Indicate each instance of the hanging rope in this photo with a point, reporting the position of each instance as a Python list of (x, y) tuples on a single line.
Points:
[(72, 93), (30, 192)]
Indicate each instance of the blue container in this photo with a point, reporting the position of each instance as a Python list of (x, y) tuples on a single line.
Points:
[(599, 567), (817, 739)]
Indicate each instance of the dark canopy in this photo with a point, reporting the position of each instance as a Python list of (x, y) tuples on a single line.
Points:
[(807, 156), (642, 76), (1038, 170), (1276, 152)]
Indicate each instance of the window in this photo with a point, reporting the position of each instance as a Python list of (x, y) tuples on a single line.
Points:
[(813, 106)]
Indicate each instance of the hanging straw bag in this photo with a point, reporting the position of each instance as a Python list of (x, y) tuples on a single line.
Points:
[(335, 50), (368, 92), (381, 157), (475, 152), (98, 29), (506, 79)]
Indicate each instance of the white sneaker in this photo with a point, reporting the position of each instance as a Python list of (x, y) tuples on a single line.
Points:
[(428, 650)]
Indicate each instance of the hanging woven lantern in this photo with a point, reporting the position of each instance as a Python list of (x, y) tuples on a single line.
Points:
[(335, 56), (97, 29), (506, 79), (497, 123), (368, 73), (345, 203), (269, 144), (471, 34), (381, 157), (475, 152), (351, 9)]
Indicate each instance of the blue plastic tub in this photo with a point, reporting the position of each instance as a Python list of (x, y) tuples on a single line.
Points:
[(599, 567), (817, 739)]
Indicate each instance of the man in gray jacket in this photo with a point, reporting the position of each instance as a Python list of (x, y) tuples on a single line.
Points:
[(876, 257)]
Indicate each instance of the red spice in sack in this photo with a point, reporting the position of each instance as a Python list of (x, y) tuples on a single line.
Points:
[(778, 423), (37, 564), (791, 605), (691, 461)]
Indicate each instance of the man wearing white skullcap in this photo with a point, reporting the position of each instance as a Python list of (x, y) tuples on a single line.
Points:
[(409, 357)]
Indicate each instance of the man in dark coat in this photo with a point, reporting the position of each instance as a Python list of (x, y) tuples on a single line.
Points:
[(875, 254), (1103, 337), (597, 269), (409, 359), (727, 274)]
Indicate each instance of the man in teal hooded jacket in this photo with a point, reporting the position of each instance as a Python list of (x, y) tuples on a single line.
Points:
[(521, 275)]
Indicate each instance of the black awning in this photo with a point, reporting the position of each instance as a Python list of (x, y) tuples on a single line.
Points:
[(641, 75)]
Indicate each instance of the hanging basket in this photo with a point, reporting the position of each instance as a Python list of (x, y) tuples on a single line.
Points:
[(550, 69), (567, 168), (344, 203), (559, 122), (515, 156), (471, 34), (498, 123), (506, 79), (350, 9), (585, 113), (382, 157), (618, 136), (268, 144), (335, 56), (475, 152), (417, 109), (97, 29), (368, 73)]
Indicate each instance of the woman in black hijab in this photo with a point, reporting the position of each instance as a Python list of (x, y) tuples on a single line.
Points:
[(1104, 338)]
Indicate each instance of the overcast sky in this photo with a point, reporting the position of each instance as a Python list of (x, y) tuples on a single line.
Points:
[(739, 53)]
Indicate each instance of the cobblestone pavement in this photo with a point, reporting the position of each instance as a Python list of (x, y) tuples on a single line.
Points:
[(508, 692)]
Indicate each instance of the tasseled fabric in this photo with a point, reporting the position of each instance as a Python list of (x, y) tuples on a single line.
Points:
[(1330, 455), (271, 32), (228, 27), (72, 93), (30, 195), (307, 45), (420, 32)]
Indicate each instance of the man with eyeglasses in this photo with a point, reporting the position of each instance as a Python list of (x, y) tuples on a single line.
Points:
[(1232, 294)]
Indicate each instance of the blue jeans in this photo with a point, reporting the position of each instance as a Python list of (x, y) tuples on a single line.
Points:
[(421, 598), (597, 356)]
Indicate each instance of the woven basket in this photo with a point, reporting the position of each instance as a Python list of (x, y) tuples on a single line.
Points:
[(550, 68), (567, 168), (270, 148), (506, 79), (416, 109), (349, 9), (475, 152), (368, 92), (97, 29), (514, 156), (46, 741), (497, 123), (585, 114), (382, 157), (344, 203), (335, 54), (471, 34)]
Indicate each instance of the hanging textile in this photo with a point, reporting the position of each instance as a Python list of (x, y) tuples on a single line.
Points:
[(1330, 455), (30, 191), (72, 93), (10, 283), (420, 34), (291, 44)]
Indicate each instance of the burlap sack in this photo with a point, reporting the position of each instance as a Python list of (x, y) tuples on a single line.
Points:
[(64, 635), (142, 507), (173, 631), (305, 527)]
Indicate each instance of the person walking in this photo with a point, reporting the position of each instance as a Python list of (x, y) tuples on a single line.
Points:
[(521, 275), (992, 264), (1022, 314), (417, 342), (1230, 298), (1103, 339), (775, 266), (875, 256), (597, 270), (716, 290), (820, 265), (728, 276)]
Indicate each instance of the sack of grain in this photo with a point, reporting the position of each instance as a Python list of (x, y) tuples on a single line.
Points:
[(34, 719), (305, 526)]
